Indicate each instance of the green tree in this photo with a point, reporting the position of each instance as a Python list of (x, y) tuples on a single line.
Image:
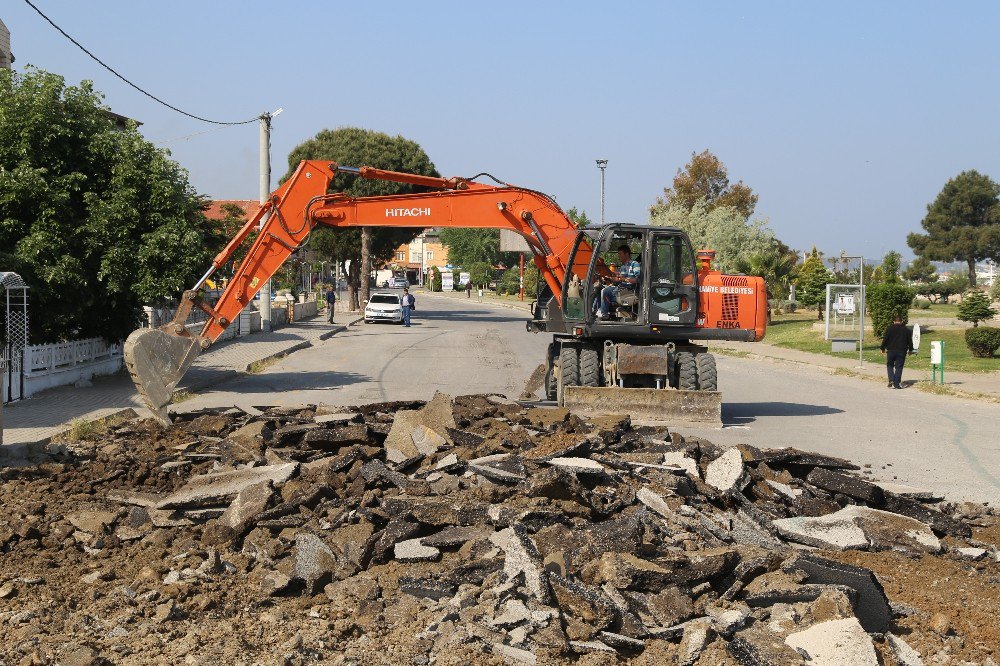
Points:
[(939, 290), (886, 301), (579, 217), (920, 270), (890, 267), (778, 270), (480, 273), (96, 219), (468, 246), (995, 290), (367, 246), (811, 282), (963, 223), (705, 178), (723, 229), (975, 307)]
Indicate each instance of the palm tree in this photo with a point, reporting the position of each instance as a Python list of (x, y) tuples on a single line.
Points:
[(777, 268)]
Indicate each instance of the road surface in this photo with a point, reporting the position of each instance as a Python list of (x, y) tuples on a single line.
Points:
[(939, 443)]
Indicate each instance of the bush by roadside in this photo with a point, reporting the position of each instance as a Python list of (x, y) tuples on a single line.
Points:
[(983, 341)]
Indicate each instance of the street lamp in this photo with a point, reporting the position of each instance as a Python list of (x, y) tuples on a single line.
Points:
[(845, 258), (602, 165)]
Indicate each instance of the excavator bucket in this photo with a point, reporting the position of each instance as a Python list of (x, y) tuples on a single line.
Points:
[(667, 406), (157, 360)]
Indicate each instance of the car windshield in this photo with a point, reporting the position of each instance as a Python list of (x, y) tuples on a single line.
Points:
[(384, 298)]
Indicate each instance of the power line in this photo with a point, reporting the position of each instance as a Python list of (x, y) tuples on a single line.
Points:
[(147, 94)]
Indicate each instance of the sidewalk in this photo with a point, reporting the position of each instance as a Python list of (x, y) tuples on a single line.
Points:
[(53, 411), (987, 383)]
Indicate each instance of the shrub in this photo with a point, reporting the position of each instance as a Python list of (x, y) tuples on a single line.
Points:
[(435, 279), (886, 301), (789, 306), (995, 290), (922, 304), (975, 307), (983, 341)]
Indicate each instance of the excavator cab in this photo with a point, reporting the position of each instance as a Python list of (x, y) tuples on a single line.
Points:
[(636, 277)]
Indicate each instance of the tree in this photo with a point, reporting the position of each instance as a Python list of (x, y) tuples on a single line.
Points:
[(706, 178), (579, 217), (811, 282), (939, 290), (975, 307), (890, 267), (96, 219), (722, 229), (480, 273), (885, 302), (920, 270), (778, 270), (995, 290), (963, 223), (470, 246), (366, 246)]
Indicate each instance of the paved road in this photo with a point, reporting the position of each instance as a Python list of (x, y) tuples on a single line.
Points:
[(940, 443)]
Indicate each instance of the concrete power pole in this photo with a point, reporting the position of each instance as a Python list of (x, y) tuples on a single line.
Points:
[(265, 192)]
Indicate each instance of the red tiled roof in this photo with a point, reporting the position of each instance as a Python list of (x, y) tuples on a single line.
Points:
[(214, 210)]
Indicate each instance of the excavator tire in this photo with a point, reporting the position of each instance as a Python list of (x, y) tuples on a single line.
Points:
[(550, 375), (590, 366), (708, 376), (569, 369), (687, 372)]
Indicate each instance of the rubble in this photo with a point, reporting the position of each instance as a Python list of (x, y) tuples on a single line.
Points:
[(463, 530)]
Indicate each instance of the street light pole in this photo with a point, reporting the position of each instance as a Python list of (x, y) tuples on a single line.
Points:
[(602, 165), (265, 192), (861, 288)]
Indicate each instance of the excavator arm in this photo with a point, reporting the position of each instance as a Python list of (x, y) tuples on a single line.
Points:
[(158, 358)]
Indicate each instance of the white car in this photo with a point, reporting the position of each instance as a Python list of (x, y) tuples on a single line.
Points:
[(399, 283), (384, 306)]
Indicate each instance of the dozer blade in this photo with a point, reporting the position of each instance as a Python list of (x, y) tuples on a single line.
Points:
[(647, 404), (157, 361)]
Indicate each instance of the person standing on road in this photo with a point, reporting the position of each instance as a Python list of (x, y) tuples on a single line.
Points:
[(896, 344), (409, 303), (331, 300), (468, 289)]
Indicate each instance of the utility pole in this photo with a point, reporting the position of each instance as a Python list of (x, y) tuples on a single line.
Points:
[(602, 165), (265, 192)]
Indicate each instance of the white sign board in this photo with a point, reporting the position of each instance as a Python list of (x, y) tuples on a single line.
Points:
[(464, 278), (845, 304), (916, 337), (447, 281), (936, 352)]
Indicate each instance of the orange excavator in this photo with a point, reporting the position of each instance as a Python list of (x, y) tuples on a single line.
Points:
[(624, 303)]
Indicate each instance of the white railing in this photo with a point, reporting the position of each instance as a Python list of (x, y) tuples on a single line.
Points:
[(46, 359)]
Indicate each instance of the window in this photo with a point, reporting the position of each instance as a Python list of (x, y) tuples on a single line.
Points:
[(430, 255), (414, 257), (401, 256)]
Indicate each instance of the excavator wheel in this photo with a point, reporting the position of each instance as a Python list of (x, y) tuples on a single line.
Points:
[(687, 371), (708, 376), (550, 374), (569, 369), (590, 366)]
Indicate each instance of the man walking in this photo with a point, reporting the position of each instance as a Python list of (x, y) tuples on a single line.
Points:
[(409, 303), (896, 344), (331, 300)]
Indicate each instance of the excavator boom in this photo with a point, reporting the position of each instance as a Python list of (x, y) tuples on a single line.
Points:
[(158, 358)]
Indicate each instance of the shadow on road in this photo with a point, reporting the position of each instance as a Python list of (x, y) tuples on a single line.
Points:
[(742, 413), (276, 382), (471, 315)]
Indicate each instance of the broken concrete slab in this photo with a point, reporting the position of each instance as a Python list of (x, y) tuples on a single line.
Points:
[(427, 441), (833, 531), (238, 518), (835, 643), (314, 562), (871, 606), (455, 536), (412, 550), (578, 465), (398, 443), (725, 472), (521, 557), (901, 650), (844, 484), (224, 486)]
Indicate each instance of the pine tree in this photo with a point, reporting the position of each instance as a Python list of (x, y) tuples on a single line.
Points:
[(812, 281), (975, 307)]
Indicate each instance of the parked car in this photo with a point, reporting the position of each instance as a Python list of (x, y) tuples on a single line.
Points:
[(399, 283), (384, 306)]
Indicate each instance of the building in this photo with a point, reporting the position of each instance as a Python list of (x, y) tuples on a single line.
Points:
[(248, 206), (416, 258), (6, 57)]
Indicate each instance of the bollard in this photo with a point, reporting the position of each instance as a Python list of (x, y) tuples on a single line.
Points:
[(937, 362)]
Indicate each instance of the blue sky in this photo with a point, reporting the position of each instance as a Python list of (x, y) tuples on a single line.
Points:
[(846, 118)]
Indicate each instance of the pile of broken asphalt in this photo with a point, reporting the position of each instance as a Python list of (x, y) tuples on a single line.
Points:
[(475, 530)]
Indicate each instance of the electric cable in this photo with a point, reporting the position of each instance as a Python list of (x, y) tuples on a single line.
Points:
[(144, 92)]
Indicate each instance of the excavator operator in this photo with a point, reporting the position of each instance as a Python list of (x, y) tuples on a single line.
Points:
[(627, 278)]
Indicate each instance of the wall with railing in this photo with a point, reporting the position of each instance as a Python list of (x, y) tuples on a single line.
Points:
[(48, 366)]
